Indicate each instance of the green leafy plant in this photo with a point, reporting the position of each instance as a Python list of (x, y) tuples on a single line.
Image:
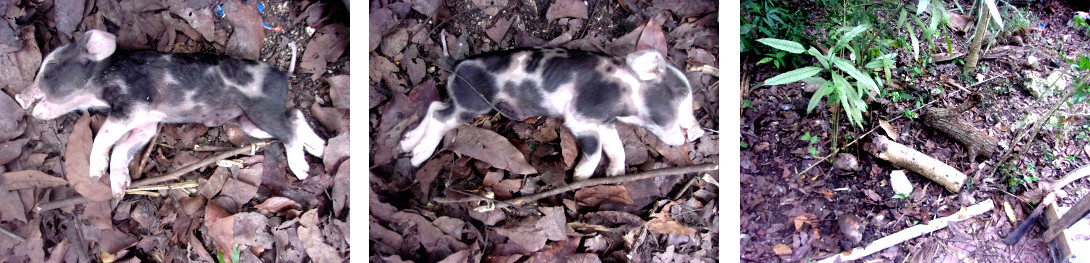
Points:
[(838, 89), (811, 140), (764, 19)]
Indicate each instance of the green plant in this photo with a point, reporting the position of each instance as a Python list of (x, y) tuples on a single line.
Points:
[(811, 140), (764, 19), (849, 95)]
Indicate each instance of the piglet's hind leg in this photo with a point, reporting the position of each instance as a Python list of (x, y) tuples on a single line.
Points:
[(123, 153)]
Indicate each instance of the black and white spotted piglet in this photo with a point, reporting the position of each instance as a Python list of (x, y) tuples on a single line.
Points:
[(591, 91), (142, 88)]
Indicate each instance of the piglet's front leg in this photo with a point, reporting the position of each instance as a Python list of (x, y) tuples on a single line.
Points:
[(111, 132), (123, 153)]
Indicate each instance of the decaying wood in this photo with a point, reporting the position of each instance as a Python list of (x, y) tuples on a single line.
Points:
[(1073, 215), (912, 232), (949, 122), (908, 158)]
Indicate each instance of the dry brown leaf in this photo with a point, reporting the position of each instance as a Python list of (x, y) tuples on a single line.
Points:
[(327, 45), (249, 34), (276, 204), (652, 36), (499, 30), (890, 130), (782, 250), (569, 150), (338, 90), (554, 224), (943, 57), (395, 119), (336, 151), (31, 179), (341, 188), (77, 155), (524, 233), (593, 196), (488, 146), (566, 8), (12, 206), (959, 22), (803, 220), (668, 226), (313, 241)]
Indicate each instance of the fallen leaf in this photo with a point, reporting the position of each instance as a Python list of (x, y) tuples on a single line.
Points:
[(595, 195), (782, 250), (890, 131), (488, 146), (313, 241), (336, 151), (943, 57), (803, 220), (668, 226), (276, 204), (11, 150), (338, 90), (499, 30), (382, 21), (11, 208), (68, 14), (490, 7), (652, 36), (327, 45), (959, 22), (341, 188), (396, 119), (332, 119), (77, 155), (31, 179), (10, 125), (249, 34), (872, 195), (566, 8), (524, 233)]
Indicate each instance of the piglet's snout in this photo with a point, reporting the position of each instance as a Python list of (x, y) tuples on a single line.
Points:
[(29, 96)]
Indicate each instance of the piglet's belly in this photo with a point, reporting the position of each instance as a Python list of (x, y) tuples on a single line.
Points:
[(209, 115)]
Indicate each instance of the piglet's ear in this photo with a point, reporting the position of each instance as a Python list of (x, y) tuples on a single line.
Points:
[(648, 64), (99, 44)]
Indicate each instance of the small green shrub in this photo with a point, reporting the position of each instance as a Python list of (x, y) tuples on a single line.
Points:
[(764, 19), (838, 89)]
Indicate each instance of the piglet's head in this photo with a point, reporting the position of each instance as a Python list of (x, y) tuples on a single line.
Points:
[(667, 107), (62, 84)]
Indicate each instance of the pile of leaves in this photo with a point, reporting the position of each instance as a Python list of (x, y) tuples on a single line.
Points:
[(420, 214), (245, 208)]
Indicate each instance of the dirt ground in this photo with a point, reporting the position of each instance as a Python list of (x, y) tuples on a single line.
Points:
[(248, 208), (412, 217), (790, 217)]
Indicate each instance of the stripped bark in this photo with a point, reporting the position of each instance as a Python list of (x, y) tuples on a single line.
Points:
[(908, 158)]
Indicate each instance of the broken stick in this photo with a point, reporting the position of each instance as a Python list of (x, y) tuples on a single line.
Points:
[(1051, 189), (902, 156), (912, 232), (949, 122)]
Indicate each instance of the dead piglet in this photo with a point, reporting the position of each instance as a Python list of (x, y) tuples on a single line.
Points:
[(142, 88), (590, 90)]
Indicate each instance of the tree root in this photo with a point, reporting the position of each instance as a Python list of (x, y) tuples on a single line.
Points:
[(947, 121)]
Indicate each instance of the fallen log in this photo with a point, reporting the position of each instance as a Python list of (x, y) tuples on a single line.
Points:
[(949, 122), (901, 156)]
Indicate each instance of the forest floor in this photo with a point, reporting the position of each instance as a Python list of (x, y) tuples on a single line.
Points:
[(791, 213)]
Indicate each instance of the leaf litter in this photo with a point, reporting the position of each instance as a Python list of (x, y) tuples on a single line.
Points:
[(498, 158), (55, 213)]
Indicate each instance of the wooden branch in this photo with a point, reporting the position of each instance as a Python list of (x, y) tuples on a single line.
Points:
[(902, 156), (1077, 212), (1072, 176), (586, 183), (912, 232), (949, 122)]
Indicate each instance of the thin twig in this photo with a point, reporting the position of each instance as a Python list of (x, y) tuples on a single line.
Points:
[(159, 179), (587, 183), (12, 235)]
